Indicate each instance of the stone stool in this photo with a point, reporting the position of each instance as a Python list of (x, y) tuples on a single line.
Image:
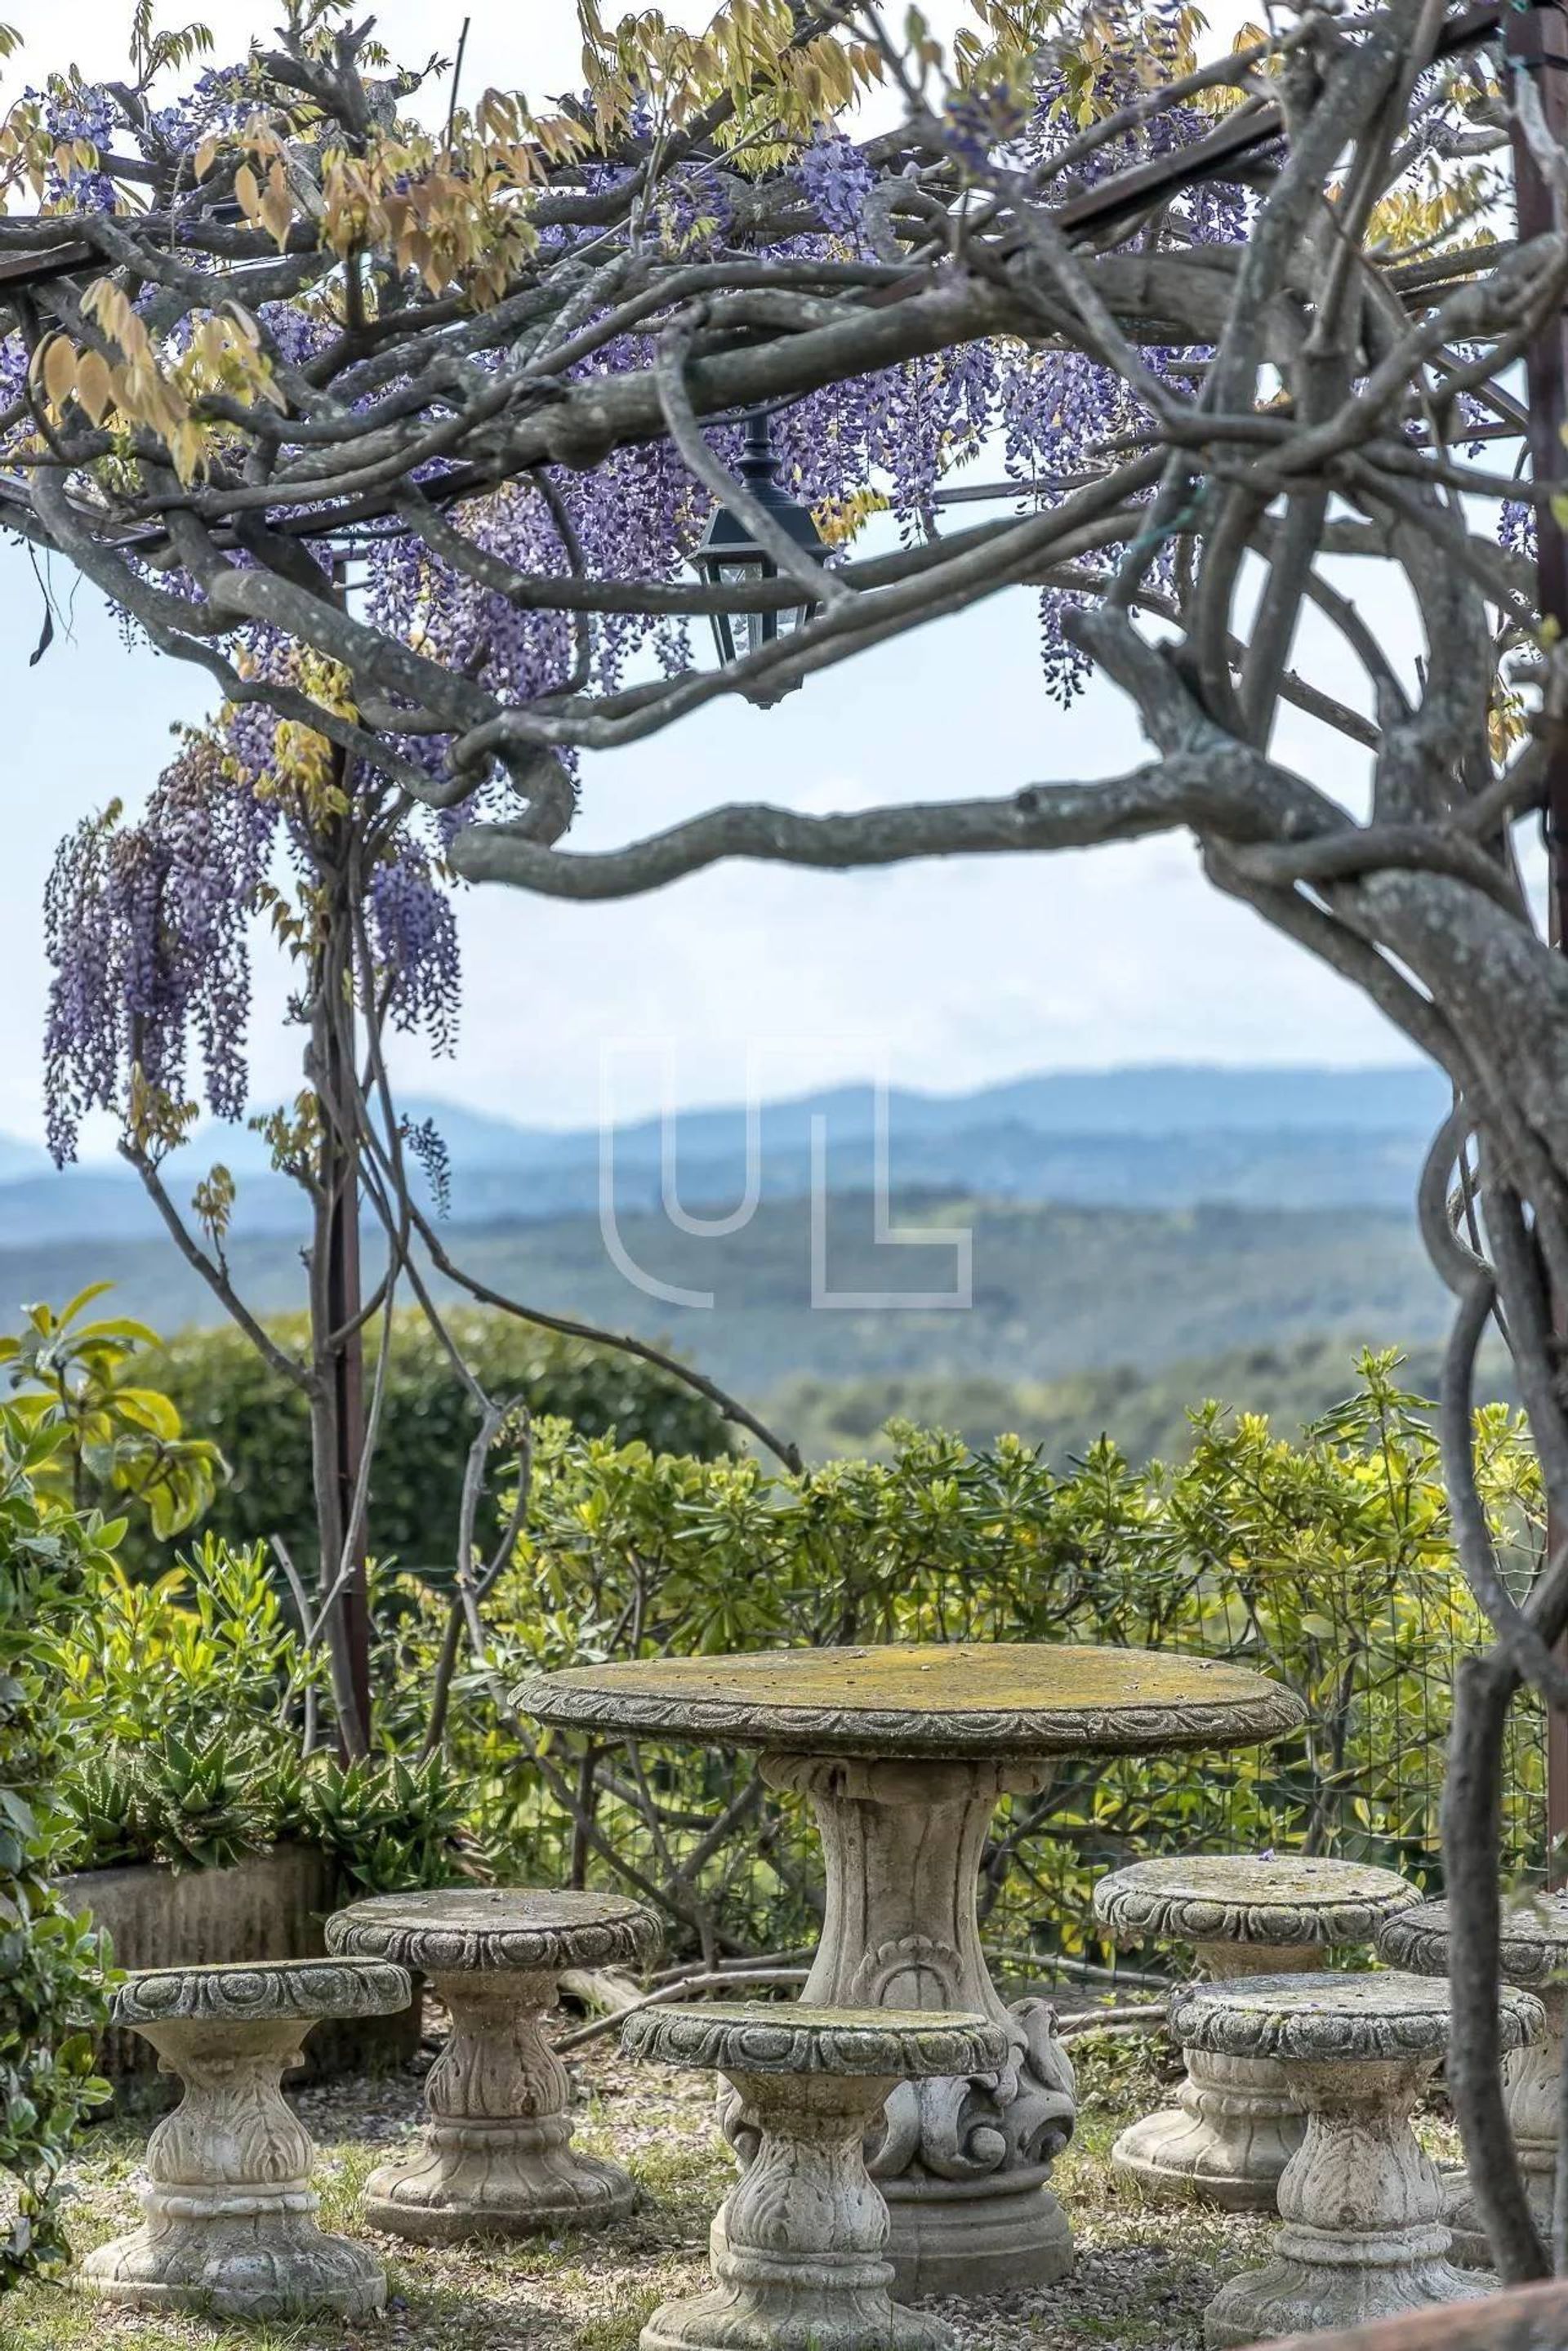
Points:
[(1361, 2207), (1234, 2127), (496, 2158), (231, 2227), (1534, 1956), (799, 2246)]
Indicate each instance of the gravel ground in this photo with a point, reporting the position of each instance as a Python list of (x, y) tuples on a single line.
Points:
[(1143, 2274)]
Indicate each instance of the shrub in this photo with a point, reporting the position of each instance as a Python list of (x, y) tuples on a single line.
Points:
[(50, 1974), (225, 1392), (119, 1439), (1326, 1564)]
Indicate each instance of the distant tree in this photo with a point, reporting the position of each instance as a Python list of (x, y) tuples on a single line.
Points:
[(1241, 329)]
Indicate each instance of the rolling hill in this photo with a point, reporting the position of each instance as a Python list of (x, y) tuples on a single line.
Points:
[(1055, 1290), (1167, 1137)]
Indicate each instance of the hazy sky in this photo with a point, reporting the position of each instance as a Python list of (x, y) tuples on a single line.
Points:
[(943, 974)]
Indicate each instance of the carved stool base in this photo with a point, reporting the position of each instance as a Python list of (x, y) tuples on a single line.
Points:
[(1363, 2235), (1235, 2126), (274, 2266), (800, 2247), (1529, 2086), (495, 2157), (520, 2180), (1226, 2140), (1530, 2082), (1302, 2292), (230, 2228), (1534, 1955), (1361, 2203)]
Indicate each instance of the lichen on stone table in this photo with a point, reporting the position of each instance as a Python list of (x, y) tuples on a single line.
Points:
[(957, 1698)]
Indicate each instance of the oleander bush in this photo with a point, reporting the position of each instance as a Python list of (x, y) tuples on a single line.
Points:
[(226, 1395), (51, 1978), (1326, 1563)]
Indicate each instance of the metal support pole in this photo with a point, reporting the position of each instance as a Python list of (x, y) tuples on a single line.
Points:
[(1535, 41)]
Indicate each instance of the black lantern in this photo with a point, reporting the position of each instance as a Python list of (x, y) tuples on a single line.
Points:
[(731, 558)]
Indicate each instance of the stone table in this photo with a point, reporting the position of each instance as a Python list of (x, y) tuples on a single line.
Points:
[(1362, 2234), (1534, 1955), (495, 2157), (799, 2248), (903, 1753), (1234, 2124), (230, 2227)]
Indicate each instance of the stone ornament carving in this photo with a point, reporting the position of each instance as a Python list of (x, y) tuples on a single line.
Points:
[(1288, 1901), (748, 2036), (1343, 2018), (954, 1699), (230, 2227), (495, 2157), (478, 1929), (903, 1753), (310, 1990), (1362, 2232), (1534, 1955), (800, 2247), (1234, 2124)]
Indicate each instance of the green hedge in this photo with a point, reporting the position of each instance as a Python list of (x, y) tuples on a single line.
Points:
[(224, 1392)]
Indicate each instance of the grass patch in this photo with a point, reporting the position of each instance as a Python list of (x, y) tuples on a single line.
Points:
[(1145, 2269)]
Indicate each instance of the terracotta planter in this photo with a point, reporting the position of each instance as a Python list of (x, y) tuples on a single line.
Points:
[(271, 1906)]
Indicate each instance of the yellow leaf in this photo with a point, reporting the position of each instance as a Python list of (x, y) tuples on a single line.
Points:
[(205, 157), (276, 207), (59, 369), (247, 194), (94, 389)]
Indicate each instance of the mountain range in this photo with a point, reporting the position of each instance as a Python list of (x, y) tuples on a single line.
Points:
[(1165, 1137)]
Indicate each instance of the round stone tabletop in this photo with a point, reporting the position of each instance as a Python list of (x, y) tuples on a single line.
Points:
[(1223, 1897), (1534, 1949), (790, 2037), (999, 1698), (1332, 2018), (459, 1927)]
